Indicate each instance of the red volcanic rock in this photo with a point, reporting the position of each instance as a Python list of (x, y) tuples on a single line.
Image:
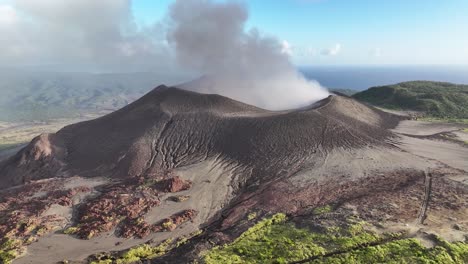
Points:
[(119, 206), (175, 220), (64, 197), (21, 212), (184, 216), (135, 228), (176, 184)]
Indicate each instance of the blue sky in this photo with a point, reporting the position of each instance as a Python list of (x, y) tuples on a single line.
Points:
[(315, 32), (355, 31)]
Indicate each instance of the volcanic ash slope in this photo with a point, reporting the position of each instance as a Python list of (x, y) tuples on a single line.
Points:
[(227, 158), (171, 128), (168, 129)]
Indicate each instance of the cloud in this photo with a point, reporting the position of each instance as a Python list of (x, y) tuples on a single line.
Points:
[(8, 15), (99, 35), (210, 38), (377, 52), (206, 37), (286, 48), (333, 51)]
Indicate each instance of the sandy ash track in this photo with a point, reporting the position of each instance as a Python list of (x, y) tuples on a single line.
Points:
[(424, 139)]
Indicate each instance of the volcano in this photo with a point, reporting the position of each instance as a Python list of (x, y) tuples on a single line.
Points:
[(171, 128), (180, 161)]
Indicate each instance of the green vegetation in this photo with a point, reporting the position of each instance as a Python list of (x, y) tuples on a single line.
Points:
[(275, 240), (252, 216), (169, 225), (435, 99), (322, 210), (402, 251), (142, 252), (9, 250), (71, 230), (196, 233), (16, 237), (139, 253)]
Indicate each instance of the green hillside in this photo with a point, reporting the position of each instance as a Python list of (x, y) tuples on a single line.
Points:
[(435, 99)]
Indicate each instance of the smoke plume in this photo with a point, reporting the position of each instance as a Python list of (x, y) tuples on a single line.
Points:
[(210, 38), (204, 37)]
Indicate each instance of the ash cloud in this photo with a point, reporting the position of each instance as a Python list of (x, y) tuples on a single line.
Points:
[(210, 38)]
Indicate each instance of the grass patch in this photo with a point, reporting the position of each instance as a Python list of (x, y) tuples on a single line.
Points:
[(402, 251), (71, 230), (252, 216), (322, 210), (136, 254), (275, 240), (9, 250), (143, 252)]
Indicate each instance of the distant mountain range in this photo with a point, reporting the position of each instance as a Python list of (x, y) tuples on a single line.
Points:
[(29, 95), (35, 95)]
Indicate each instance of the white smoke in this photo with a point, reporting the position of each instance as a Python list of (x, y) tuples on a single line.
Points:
[(210, 38), (207, 37)]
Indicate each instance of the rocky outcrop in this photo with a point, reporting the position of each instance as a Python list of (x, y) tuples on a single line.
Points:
[(176, 184)]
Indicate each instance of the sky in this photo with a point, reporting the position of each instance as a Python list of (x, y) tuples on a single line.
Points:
[(352, 32), (130, 35)]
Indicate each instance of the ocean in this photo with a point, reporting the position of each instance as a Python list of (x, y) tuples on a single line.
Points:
[(364, 77)]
